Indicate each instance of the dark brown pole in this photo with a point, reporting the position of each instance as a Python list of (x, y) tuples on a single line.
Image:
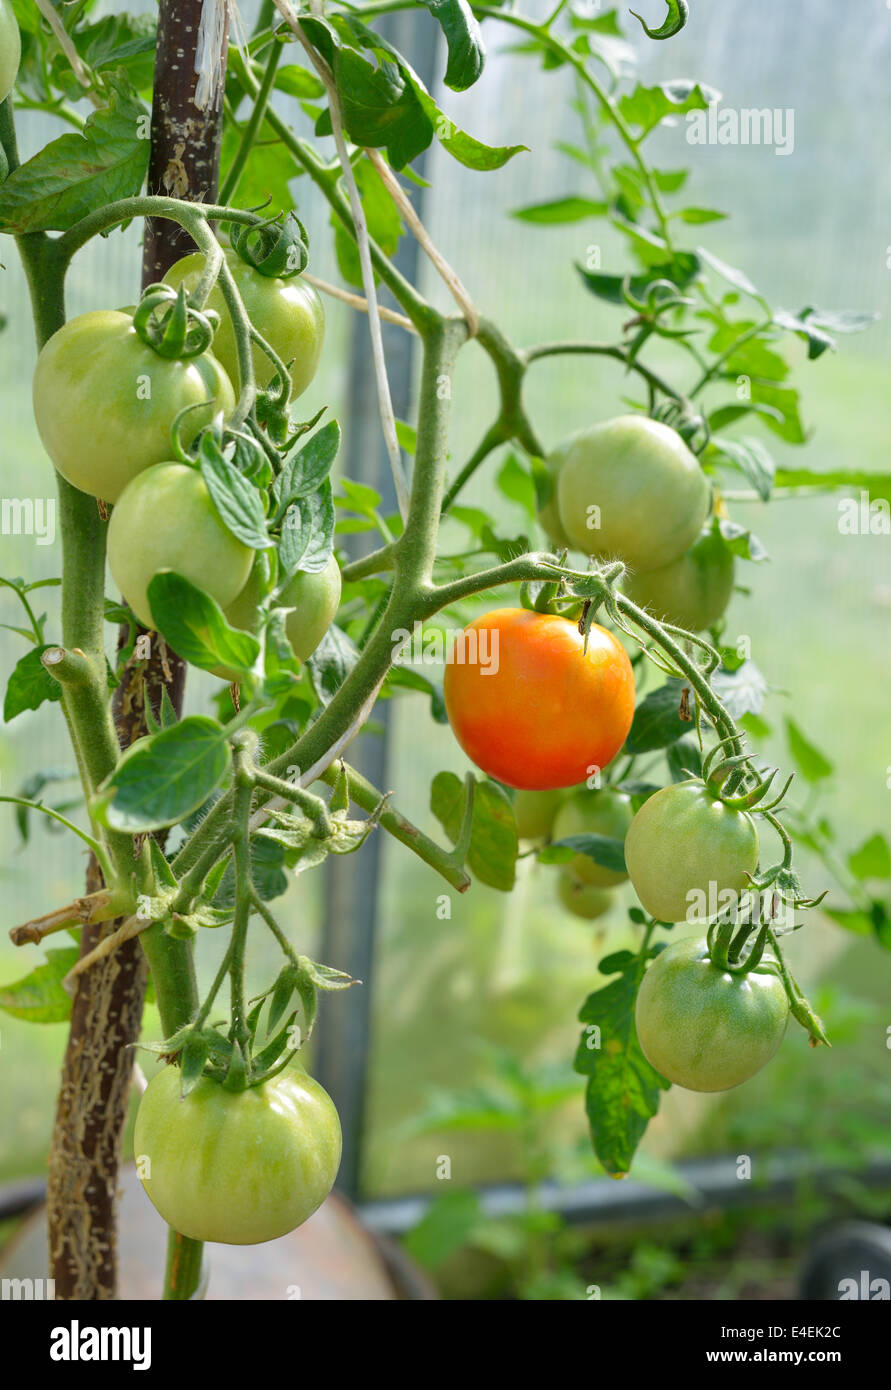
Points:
[(92, 1106)]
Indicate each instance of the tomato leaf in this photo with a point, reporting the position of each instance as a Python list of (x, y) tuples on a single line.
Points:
[(872, 859), (467, 52), (750, 457), (39, 996), (331, 663), (78, 172), (680, 271), (647, 106), (305, 469), (195, 626), (515, 482), (493, 837), (165, 777), (603, 849), (29, 685), (447, 1225), (307, 539), (569, 209), (656, 722), (238, 503), (622, 1094), (808, 759), (742, 690)]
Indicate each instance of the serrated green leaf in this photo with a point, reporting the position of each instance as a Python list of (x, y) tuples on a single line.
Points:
[(656, 722), (622, 1094), (81, 171), (39, 996), (164, 778), (30, 684), (236, 500)]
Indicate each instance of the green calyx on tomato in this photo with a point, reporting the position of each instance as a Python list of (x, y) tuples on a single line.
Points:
[(705, 1028), (165, 519), (606, 813), (237, 1167), (688, 854), (288, 313), (105, 402), (630, 489), (275, 248), (584, 900), (10, 49), (693, 591)]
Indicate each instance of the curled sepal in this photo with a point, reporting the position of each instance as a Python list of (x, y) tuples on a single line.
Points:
[(274, 248), (167, 323), (192, 1061), (719, 938), (678, 14), (236, 1074), (747, 800), (772, 805), (695, 432), (177, 448), (325, 976), (714, 753), (753, 959)]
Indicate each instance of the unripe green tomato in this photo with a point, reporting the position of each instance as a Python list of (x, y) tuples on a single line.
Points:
[(549, 515), (584, 812), (288, 313), (105, 402), (630, 489), (684, 848), (313, 594), (534, 812), (10, 49), (691, 592), (583, 899), (237, 1167), (704, 1028), (165, 520)]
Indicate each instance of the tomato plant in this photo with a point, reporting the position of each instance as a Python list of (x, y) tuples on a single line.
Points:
[(100, 356), (237, 1167), (630, 488), (531, 705), (230, 542), (686, 848), (705, 1028), (287, 312), (165, 519)]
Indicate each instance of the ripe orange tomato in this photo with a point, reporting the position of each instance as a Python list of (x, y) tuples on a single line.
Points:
[(530, 706)]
